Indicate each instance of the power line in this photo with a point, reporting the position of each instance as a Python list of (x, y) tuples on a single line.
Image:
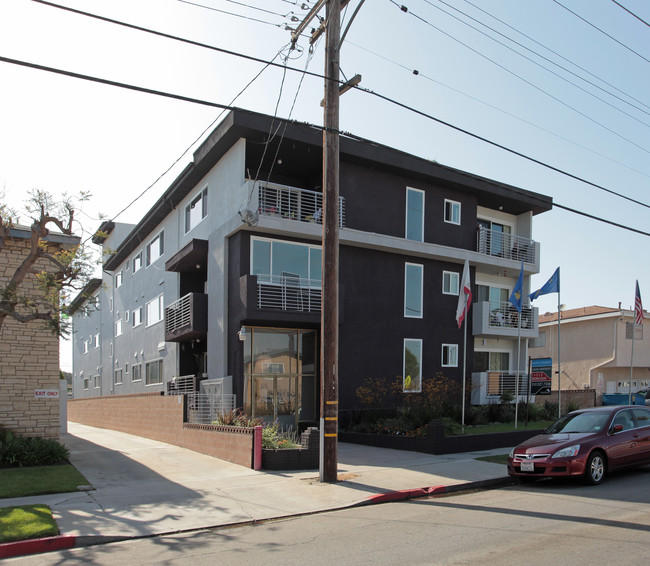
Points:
[(270, 63), (602, 31), (630, 12), (230, 13), (544, 58), (480, 54)]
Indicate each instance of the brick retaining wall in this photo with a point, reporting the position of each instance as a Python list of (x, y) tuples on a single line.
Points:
[(160, 418)]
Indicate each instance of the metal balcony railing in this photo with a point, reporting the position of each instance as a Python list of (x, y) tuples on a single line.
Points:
[(499, 383), (504, 315), (204, 408), (288, 293), (178, 314), (509, 246), (295, 204), (187, 317)]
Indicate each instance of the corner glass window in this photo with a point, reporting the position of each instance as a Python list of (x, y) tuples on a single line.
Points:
[(274, 259), (414, 214)]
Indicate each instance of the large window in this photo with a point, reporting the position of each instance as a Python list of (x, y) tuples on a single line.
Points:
[(413, 274), (414, 214), (278, 258), (412, 374), (118, 376), (136, 372), (452, 211), (155, 310), (155, 247), (137, 316), (153, 372), (449, 355), (450, 283), (197, 210)]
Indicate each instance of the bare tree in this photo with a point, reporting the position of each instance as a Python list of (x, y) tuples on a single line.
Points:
[(68, 270)]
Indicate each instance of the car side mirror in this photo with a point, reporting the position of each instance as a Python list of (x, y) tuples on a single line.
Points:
[(617, 428)]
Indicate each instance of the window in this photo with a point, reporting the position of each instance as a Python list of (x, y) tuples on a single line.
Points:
[(412, 380), (197, 210), (126, 368), (153, 372), (97, 340), (414, 214), (137, 316), (97, 381), (110, 302), (136, 372), (413, 274), (450, 282), (452, 211), (137, 262), (118, 376), (119, 279), (450, 355), (155, 310), (276, 257), (126, 315), (86, 344), (155, 248), (118, 327), (86, 380)]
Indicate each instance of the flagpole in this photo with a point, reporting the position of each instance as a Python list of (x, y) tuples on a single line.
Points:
[(518, 366), (464, 374), (629, 401)]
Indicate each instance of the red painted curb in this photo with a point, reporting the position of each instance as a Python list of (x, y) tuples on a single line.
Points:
[(36, 545), (406, 494)]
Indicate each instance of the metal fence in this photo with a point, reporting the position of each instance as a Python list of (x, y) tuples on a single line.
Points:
[(288, 293), (510, 246), (206, 409), (295, 204)]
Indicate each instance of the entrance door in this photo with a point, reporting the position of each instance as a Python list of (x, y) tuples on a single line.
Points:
[(280, 375)]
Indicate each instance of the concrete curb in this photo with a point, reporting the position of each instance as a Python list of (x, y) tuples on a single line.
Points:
[(63, 542)]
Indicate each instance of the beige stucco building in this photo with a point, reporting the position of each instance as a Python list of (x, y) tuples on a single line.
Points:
[(595, 349)]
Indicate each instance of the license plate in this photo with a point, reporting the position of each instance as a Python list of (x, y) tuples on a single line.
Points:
[(528, 466)]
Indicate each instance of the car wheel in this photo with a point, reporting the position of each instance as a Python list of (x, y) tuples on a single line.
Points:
[(595, 471)]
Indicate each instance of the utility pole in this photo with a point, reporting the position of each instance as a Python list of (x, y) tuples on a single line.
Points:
[(330, 302)]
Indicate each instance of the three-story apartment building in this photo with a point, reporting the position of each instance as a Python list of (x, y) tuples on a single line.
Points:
[(222, 277)]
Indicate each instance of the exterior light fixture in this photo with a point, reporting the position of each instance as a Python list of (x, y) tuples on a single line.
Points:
[(242, 333)]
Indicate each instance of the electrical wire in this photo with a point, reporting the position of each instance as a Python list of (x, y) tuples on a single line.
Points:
[(480, 54), (602, 31), (230, 13), (630, 12), (270, 63)]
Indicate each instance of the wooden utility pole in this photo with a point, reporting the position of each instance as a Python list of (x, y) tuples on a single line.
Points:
[(330, 302)]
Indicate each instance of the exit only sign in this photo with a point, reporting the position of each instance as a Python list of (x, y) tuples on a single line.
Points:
[(46, 394)]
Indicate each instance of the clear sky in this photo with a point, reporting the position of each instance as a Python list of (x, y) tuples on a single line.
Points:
[(570, 91)]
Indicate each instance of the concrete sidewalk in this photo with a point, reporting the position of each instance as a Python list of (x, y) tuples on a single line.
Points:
[(145, 488)]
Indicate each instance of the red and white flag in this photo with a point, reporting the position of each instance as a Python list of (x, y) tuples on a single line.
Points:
[(638, 307), (464, 296)]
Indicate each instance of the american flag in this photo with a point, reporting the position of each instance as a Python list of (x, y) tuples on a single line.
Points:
[(638, 307)]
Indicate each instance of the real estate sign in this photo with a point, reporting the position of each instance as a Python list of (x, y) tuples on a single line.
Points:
[(540, 376)]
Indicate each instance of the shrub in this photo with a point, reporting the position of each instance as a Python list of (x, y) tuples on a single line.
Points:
[(571, 406), (18, 451), (549, 411), (274, 437), (237, 418)]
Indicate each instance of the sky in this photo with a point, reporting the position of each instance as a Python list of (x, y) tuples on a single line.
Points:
[(564, 82)]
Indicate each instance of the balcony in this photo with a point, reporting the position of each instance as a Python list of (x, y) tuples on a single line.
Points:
[(508, 246), (489, 386), (501, 320), (187, 318), (288, 293), (290, 203)]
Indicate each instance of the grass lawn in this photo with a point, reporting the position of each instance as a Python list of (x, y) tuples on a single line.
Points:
[(39, 480), (495, 459), (26, 522), (507, 427)]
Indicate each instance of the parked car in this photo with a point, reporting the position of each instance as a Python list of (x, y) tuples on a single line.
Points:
[(588, 443)]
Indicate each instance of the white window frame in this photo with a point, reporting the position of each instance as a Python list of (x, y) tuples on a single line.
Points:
[(159, 309), (160, 373), (155, 248), (97, 381), (119, 327), (136, 369), (447, 280), (86, 382), (119, 372), (410, 190), (97, 340), (455, 206), (137, 262), (86, 346), (407, 312), (452, 351), (137, 317), (127, 314), (404, 376), (119, 278), (200, 199)]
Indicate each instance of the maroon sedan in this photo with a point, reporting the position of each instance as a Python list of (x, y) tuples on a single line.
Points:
[(588, 443)]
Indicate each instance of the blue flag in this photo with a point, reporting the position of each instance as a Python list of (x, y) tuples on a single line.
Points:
[(518, 291), (551, 286)]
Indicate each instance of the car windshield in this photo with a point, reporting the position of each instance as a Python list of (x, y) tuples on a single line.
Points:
[(579, 422)]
